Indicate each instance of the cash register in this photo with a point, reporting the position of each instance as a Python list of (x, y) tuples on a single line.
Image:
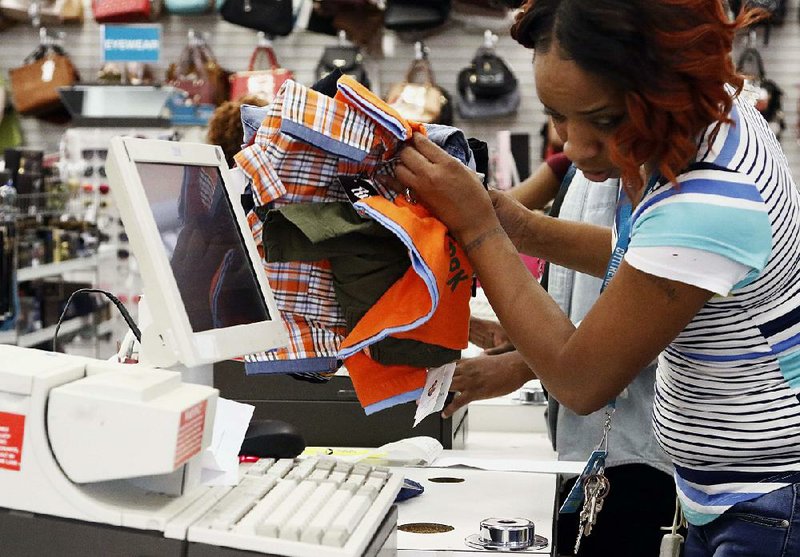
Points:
[(103, 458)]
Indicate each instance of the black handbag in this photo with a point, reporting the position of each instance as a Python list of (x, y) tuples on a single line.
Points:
[(487, 88), (347, 59), (769, 97), (415, 15), (274, 17), (487, 77)]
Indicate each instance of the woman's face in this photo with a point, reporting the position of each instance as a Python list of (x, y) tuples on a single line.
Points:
[(584, 110)]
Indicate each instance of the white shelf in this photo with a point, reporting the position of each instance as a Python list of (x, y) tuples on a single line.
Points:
[(55, 269), (67, 327)]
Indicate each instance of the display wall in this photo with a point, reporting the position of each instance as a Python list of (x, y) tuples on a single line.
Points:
[(450, 50)]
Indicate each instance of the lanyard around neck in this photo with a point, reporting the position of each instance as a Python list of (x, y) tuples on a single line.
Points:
[(622, 226)]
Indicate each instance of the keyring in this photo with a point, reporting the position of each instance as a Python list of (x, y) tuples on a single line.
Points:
[(409, 195)]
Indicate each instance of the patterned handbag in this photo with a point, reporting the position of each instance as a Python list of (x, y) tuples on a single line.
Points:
[(265, 82)]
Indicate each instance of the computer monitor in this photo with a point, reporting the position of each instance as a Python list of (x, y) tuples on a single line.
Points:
[(202, 276)]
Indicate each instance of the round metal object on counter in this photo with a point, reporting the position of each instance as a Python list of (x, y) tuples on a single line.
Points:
[(506, 534), (532, 396)]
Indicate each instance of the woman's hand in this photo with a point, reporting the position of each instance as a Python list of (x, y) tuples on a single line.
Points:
[(450, 190), (485, 333), (487, 377)]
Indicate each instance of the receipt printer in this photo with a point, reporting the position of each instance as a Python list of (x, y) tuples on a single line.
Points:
[(96, 440)]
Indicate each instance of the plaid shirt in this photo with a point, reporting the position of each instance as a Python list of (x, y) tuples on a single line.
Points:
[(303, 143)]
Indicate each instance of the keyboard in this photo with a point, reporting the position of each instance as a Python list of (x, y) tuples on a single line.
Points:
[(314, 507)]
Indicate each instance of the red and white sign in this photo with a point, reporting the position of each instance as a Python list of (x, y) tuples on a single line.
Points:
[(12, 430), (190, 434)]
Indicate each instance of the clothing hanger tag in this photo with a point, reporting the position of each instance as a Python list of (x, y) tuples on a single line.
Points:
[(356, 187)]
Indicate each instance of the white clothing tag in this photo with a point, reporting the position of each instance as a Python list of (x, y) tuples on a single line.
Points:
[(435, 391), (48, 69), (389, 44)]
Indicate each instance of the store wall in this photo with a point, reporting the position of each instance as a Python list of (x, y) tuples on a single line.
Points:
[(450, 50)]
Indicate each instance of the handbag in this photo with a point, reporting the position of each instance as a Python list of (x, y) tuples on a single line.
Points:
[(346, 58), (487, 88), (415, 15), (188, 7), (34, 85), (49, 12), (768, 96), (199, 74), (274, 17), (265, 82), (125, 11), (418, 101)]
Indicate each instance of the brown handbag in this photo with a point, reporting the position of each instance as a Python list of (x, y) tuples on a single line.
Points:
[(34, 85), (418, 99), (199, 75)]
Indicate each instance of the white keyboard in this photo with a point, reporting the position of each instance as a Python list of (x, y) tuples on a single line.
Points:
[(315, 507)]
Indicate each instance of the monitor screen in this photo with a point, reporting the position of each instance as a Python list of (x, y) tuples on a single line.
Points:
[(197, 226)]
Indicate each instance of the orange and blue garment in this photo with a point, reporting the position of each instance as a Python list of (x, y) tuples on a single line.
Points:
[(304, 142)]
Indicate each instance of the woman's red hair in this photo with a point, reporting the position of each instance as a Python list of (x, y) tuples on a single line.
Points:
[(671, 59)]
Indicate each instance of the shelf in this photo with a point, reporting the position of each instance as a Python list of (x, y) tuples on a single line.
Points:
[(68, 327), (54, 269)]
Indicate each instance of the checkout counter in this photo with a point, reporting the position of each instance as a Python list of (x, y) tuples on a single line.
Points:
[(56, 502)]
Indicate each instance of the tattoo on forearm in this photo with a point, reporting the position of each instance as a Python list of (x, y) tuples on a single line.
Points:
[(482, 238), (665, 286)]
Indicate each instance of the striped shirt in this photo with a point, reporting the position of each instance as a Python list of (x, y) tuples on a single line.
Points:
[(726, 405)]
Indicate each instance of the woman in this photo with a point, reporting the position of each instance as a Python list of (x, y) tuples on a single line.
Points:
[(645, 90)]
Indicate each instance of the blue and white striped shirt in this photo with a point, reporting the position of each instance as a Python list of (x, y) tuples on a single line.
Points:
[(726, 406)]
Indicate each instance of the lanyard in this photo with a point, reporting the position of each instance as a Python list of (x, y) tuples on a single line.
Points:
[(622, 225)]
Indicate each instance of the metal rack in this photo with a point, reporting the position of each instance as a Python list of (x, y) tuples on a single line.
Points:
[(67, 205)]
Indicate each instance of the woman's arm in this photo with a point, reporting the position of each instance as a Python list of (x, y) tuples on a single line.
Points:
[(579, 246), (538, 189), (634, 319)]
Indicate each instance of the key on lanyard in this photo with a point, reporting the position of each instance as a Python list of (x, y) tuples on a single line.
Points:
[(595, 489)]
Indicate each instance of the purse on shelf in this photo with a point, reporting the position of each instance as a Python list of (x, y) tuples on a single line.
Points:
[(49, 12), (264, 76), (418, 97), (125, 11), (767, 95), (273, 17), (487, 88), (199, 75), (346, 58), (189, 7), (34, 85), (415, 15)]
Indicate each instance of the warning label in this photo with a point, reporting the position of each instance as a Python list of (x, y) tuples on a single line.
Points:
[(12, 430), (190, 434)]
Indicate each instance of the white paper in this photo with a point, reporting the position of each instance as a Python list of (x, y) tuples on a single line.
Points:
[(221, 459), (511, 464), (433, 396), (413, 451)]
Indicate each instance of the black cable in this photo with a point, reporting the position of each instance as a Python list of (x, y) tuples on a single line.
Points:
[(127, 316)]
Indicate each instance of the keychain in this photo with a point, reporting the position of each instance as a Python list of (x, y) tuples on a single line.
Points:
[(671, 543), (591, 487)]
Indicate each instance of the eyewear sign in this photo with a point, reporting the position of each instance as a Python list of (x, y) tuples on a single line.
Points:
[(131, 43)]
